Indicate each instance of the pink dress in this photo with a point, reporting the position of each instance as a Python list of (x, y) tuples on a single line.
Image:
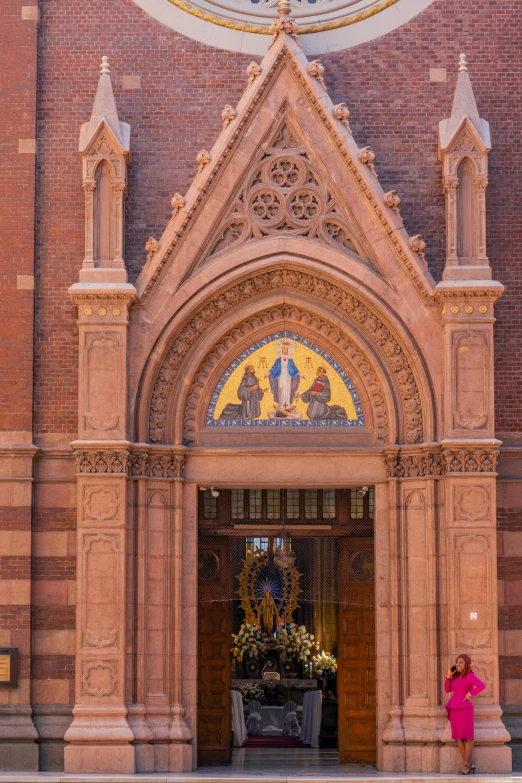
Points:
[(460, 711)]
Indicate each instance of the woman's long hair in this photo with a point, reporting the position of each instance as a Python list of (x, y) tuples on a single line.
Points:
[(467, 667)]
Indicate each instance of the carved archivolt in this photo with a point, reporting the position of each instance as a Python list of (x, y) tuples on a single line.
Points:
[(284, 193), (303, 283), (291, 315)]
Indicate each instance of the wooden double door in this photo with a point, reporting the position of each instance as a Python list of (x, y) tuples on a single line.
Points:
[(356, 652)]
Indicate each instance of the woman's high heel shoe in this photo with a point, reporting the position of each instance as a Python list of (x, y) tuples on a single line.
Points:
[(471, 770)]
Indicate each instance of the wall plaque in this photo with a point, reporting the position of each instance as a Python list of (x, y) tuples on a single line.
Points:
[(9, 666)]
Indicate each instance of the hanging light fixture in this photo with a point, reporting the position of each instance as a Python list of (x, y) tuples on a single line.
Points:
[(284, 558)]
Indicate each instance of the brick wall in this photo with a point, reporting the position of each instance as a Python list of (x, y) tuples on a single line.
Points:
[(18, 38)]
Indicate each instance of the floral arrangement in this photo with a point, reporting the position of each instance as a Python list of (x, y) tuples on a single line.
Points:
[(251, 692), (249, 642), (296, 642), (325, 665)]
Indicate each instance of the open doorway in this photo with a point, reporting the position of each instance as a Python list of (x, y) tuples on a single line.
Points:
[(286, 624)]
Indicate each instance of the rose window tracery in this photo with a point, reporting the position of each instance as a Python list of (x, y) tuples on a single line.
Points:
[(284, 194)]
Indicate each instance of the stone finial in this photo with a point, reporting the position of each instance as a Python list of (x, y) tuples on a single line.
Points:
[(104, 67), (463, 63), (253, 71), (202, 159), (227, 115), (177, 202), (342, 114), (284, 24), (392, 200), (367, 156), (283, 8), (316, 69), (151, 246)]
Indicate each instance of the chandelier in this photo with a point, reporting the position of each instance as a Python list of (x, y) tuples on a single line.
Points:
[(284, 557)]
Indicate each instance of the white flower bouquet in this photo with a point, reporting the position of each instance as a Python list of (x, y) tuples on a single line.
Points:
[(251, 693), (248, 642), (325, 665), (296, 643)]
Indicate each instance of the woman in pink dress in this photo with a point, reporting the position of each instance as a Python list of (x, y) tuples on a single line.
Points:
[(463, 686)]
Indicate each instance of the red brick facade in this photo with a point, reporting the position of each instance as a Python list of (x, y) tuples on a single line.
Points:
[(184, 86)]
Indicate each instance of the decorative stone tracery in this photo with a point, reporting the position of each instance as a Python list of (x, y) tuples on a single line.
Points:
[(284, 193)]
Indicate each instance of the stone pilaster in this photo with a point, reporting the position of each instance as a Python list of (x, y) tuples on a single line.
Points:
[(100, 737), (468, 563)]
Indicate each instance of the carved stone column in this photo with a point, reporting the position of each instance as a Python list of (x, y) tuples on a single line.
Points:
[(163, 739), (412, 734), (99, 736), (468, 563)]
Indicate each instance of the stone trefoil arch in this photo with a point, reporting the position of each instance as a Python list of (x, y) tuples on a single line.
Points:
[(351, 308)]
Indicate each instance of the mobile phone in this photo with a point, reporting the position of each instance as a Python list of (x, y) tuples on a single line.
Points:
[(453, 669)]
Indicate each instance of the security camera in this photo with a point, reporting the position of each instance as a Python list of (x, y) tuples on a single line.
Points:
[(214, 492), (362, 492)]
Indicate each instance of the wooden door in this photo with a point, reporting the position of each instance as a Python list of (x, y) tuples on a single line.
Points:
[(214, 643), (356, 662)]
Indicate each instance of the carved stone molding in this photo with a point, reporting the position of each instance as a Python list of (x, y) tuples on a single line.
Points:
[(471, 374), (472, 503), (473, 558), (92, 461), (295, 316), (414, 465), (131, 463), (303, 283), (99, 678), (157, 465), (470, 460), (435, 463), (100, 502)]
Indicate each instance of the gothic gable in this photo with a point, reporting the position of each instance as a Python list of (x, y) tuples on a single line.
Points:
[(286, 165)]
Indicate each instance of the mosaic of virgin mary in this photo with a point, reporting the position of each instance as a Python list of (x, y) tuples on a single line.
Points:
[(284, 380)]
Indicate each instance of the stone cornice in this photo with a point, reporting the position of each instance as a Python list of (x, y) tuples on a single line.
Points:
[(145, 461)]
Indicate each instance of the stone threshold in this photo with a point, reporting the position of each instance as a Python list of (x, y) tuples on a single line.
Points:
[(269, 777)]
